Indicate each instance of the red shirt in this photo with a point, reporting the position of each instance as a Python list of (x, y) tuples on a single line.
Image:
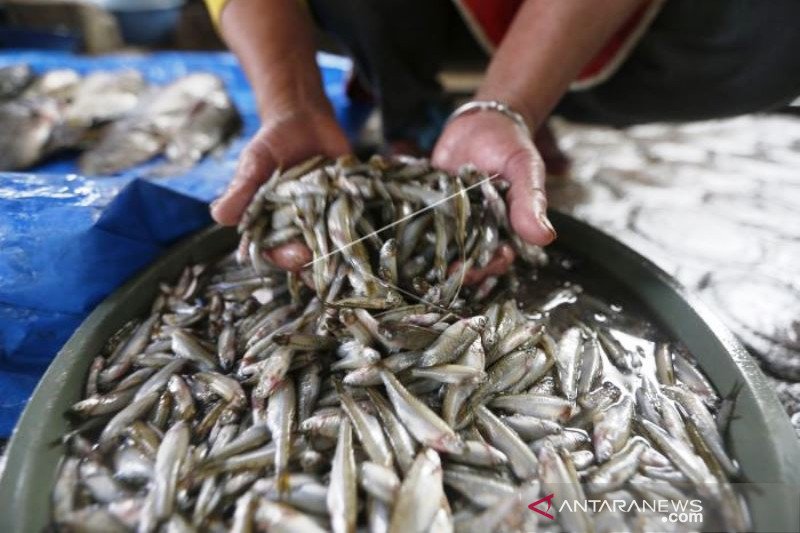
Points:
[(490, 19)]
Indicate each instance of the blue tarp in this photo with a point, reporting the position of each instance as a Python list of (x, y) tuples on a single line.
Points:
[(67, 241)]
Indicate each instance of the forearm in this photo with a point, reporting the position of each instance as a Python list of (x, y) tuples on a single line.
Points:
[(545, 48), (274, 41)]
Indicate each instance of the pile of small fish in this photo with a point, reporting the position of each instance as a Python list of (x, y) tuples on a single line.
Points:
[(374, 391), (115, 118)]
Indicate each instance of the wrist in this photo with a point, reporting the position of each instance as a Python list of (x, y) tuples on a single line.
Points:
[(279, 108), (496, 107), (516, 104), (290, 90), (282, 122), (273, 40)]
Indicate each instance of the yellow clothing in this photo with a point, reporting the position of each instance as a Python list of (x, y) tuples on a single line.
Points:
[(215, 8)]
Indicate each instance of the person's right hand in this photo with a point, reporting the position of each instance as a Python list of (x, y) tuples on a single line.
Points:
[(282, 141)]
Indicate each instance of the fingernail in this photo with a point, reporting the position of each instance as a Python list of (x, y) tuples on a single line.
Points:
[(547, 224)]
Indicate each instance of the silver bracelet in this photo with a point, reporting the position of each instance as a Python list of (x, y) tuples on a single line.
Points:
[(473, 106)]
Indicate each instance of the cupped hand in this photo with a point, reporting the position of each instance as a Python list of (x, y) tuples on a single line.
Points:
[(282, 141), (495, 144)]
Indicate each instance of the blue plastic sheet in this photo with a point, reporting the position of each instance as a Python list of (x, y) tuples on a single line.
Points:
[(67, 241)]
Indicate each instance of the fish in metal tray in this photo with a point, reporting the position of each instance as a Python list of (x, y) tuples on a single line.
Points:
[(352, 396)]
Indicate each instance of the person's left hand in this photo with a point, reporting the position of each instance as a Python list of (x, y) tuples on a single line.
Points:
[(494, 144)]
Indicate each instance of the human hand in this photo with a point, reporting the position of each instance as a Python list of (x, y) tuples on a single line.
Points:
[(282, 141), (496, 145)]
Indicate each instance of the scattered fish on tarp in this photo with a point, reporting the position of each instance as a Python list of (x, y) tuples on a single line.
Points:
[(14, 79), (187, 118), (115, 116)]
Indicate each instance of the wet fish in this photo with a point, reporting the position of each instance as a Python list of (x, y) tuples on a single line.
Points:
[(233, 405), (612, 427), (14, 79), (380, 481), (342, 491), (420, 420), (170, 458), (567, 361), (480, 489), (420, 495), (522, 460)]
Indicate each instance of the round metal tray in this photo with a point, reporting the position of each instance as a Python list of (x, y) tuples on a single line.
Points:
[(761, 437)]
